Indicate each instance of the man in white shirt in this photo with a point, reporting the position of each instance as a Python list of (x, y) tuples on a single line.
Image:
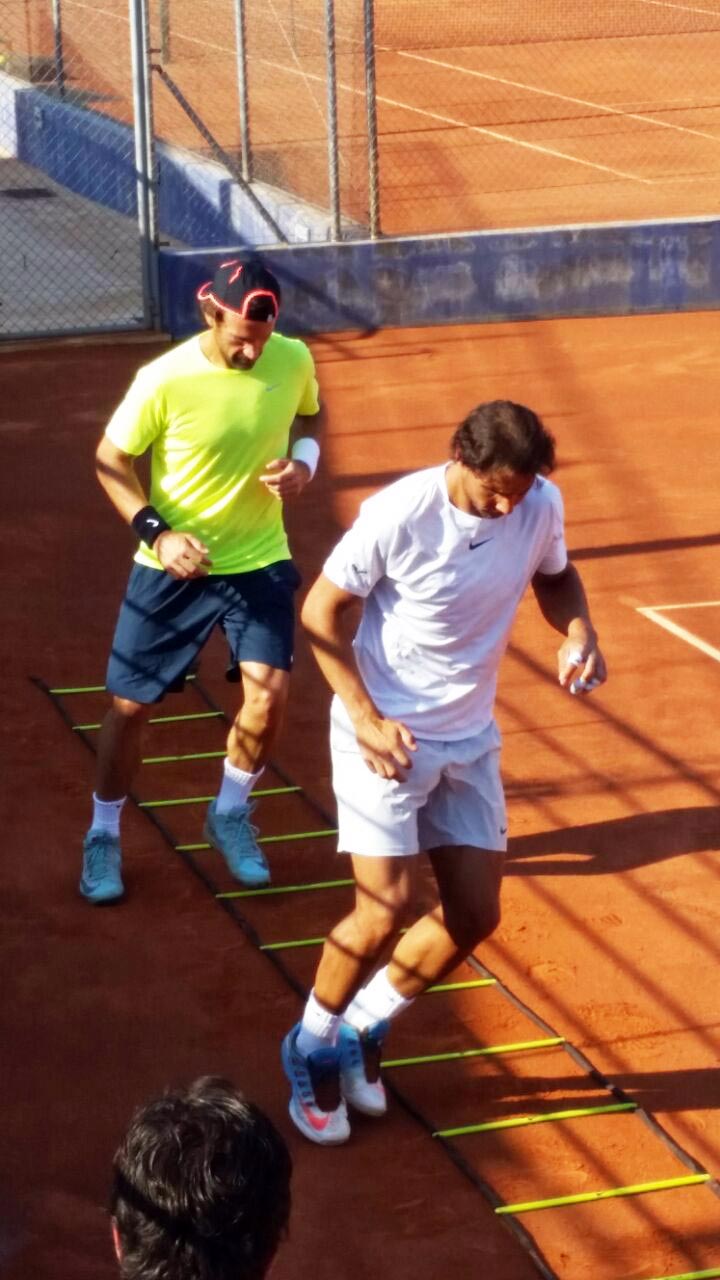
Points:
[(441, 560)]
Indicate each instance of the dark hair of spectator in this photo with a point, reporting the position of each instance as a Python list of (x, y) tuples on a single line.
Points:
[(500, 435), (201, 1187)]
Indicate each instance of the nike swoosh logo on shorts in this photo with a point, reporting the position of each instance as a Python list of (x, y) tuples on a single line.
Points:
[(473, 545), (272, 386)]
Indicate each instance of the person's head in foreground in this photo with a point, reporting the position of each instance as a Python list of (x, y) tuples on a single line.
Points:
[(497, 452), (201, 1187), (239, 306)]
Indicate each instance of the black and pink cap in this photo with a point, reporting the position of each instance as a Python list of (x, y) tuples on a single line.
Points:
[(245, 287)]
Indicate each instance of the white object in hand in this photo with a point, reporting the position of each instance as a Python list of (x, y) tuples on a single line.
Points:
[(584, 686)]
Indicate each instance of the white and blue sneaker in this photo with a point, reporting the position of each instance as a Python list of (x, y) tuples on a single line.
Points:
[(101, 881), (360, 1081), (316, 1107), (234, 835)]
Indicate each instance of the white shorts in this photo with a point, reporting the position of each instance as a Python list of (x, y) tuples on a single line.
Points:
[(452, 795)]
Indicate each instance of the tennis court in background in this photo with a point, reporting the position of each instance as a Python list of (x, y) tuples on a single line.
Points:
[(489, 115), (609, 935)]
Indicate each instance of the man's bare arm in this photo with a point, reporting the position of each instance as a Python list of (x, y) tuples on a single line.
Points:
[(563, 603), (326, 616), (287, 477), (182, 555), (116, 474)]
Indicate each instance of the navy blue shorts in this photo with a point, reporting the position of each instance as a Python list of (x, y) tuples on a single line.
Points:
[(164, 623)]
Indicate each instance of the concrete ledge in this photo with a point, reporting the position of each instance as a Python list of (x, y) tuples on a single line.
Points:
[(616, 269)]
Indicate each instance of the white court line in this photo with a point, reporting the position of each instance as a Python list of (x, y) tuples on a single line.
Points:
[(473, 128), (688, 8), (656, 615), (561, 97), (696, 604), (295, 58)]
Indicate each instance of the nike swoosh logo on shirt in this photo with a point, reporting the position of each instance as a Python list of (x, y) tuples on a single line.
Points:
[(473, 545), (272, 386)]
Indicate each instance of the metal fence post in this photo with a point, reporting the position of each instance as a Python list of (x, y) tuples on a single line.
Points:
[(144, 158), (332, 120), (371, 101), (58, 48), (241, 46)]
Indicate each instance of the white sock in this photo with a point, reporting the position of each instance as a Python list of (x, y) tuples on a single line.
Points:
[(319, 1028), (376, 1001), (235, 788), (106, 815)]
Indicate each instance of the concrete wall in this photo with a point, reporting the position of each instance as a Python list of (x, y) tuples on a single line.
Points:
[(615, 269)]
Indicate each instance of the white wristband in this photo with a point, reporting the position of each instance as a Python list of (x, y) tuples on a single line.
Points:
[(306, 450)]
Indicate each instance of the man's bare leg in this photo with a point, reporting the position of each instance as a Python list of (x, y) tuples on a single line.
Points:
[(252, 736), (469, 881), (119, 747)]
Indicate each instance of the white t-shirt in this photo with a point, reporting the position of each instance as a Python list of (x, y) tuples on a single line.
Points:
[(441, 590)]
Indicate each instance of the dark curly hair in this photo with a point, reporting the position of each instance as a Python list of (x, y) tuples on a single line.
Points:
[(201, 1187), (503, 435)]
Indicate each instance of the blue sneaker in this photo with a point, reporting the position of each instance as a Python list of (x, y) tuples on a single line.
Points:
[(316, 1106), (101, 880), (360, 1068), (236, 838)]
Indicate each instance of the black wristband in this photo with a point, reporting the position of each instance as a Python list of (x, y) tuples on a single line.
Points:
[(148, 525)]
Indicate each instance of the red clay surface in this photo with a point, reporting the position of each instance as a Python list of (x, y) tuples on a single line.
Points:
[(610, 928), (504, 114)]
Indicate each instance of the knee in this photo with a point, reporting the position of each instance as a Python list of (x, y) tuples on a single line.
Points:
[(379, 922), (265, 704), (470, 926), (127, 712)]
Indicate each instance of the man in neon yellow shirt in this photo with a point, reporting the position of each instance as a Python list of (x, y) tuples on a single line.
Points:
[(218, 412)]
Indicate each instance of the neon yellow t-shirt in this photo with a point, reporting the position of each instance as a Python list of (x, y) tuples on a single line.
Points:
[(213, 431)]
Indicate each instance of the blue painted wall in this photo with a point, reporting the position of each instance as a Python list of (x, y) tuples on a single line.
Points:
[(619, 269), (94, 156)]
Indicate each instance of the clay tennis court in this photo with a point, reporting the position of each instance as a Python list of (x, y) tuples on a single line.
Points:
[(609, 940), (488, 116)]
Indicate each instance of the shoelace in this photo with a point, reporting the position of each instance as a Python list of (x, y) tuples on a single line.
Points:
[(364, 1052), (370, 1054), (325, 1080), (240, 825), (240, 821), (99, 856)]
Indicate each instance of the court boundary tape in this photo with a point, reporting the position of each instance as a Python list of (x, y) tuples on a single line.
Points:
[(506, 1213)]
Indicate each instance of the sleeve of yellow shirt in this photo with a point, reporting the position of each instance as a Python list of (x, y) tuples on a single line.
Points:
[(310, 399), (138, 419)]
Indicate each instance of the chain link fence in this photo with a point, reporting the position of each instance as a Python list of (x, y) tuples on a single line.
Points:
[(213, 122), (508, 113), (70, 241)]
